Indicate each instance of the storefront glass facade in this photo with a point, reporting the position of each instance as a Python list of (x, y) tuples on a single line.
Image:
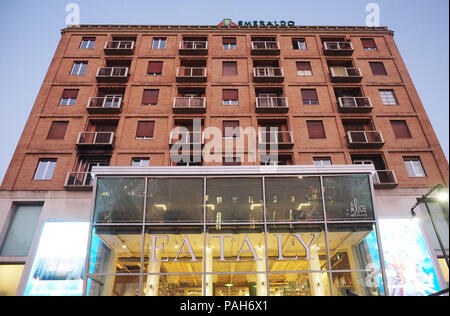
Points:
[(238, 236)]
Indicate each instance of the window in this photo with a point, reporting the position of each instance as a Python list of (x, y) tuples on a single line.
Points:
[(57, 130), (229, 43), (378, 68), (10, 275), (20, 234), (154, 68), (401, 129), (322, 161), (45, 169), (229, 68), (414, 167), (150, 97), (159, 43), (145, 130), (304, 68), (368, 44), (79, 68), (316, 129), (140, 162), (231, 161), (230, 96), (87, 43), (388, 97), (299, 43), (309, 96), (230, 129), (69, 97)]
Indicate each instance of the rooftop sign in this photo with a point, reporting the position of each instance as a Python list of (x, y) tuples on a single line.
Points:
[(229, 22)]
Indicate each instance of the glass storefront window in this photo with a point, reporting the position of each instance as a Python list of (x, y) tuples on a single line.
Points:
[(234, 200), (250, 284), (174, 200), (348, 197), (353, 247), (300, 284), (297, 248), (114, 285), (119, 200), (235, 248), (10, 275), (360, 283), (172, 285), (293, 199), (116, 249), (175, 249)]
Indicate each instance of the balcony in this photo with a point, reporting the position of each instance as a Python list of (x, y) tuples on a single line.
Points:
[(105, 105), (385, 179), (354, 105), (193, 48), (191, 74), (268, 74), (112, 74), (279, 139), (187, 138), (79, 181), (345, 74), (96, 140), (189, 105), (119, 47), (365, 139), (272, 105), (265, 48), (338, 48)]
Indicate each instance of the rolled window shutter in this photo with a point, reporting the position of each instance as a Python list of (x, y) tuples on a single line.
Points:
[(155, 67), (57, 130), (229, 68), (368, 43), (309, 94), (378, 68), (228, 128), (316, 129), (303, 65), (145, 129), (230, 94), (150, 97), (229, 40), (400, 129), (70, 94)]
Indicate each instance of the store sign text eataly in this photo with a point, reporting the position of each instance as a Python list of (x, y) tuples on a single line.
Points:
[(246, 247)]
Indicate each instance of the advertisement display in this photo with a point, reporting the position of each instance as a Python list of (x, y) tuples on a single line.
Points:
[(409, 268), (59, 264)]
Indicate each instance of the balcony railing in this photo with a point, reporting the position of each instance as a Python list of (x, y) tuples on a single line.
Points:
[(345, 74), (112, 74), (79, 181), (272, 104), (338, 48), (193, 47), (265, 47), (108, 104), (96, 140), (268, 74), (191, 74), (188, 138), (365, 139), (384, 179), (189, 105), (354, 104), (282, 139), (119, 47)]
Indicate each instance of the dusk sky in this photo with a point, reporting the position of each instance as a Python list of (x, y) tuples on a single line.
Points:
[(30, 32)]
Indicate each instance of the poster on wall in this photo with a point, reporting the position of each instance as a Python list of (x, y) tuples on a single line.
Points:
[(59, 264), (409, 269)]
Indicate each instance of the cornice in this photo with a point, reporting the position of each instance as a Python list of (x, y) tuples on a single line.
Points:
[(239, 29)]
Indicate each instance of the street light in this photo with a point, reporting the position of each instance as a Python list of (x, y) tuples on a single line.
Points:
[(442, 196)]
